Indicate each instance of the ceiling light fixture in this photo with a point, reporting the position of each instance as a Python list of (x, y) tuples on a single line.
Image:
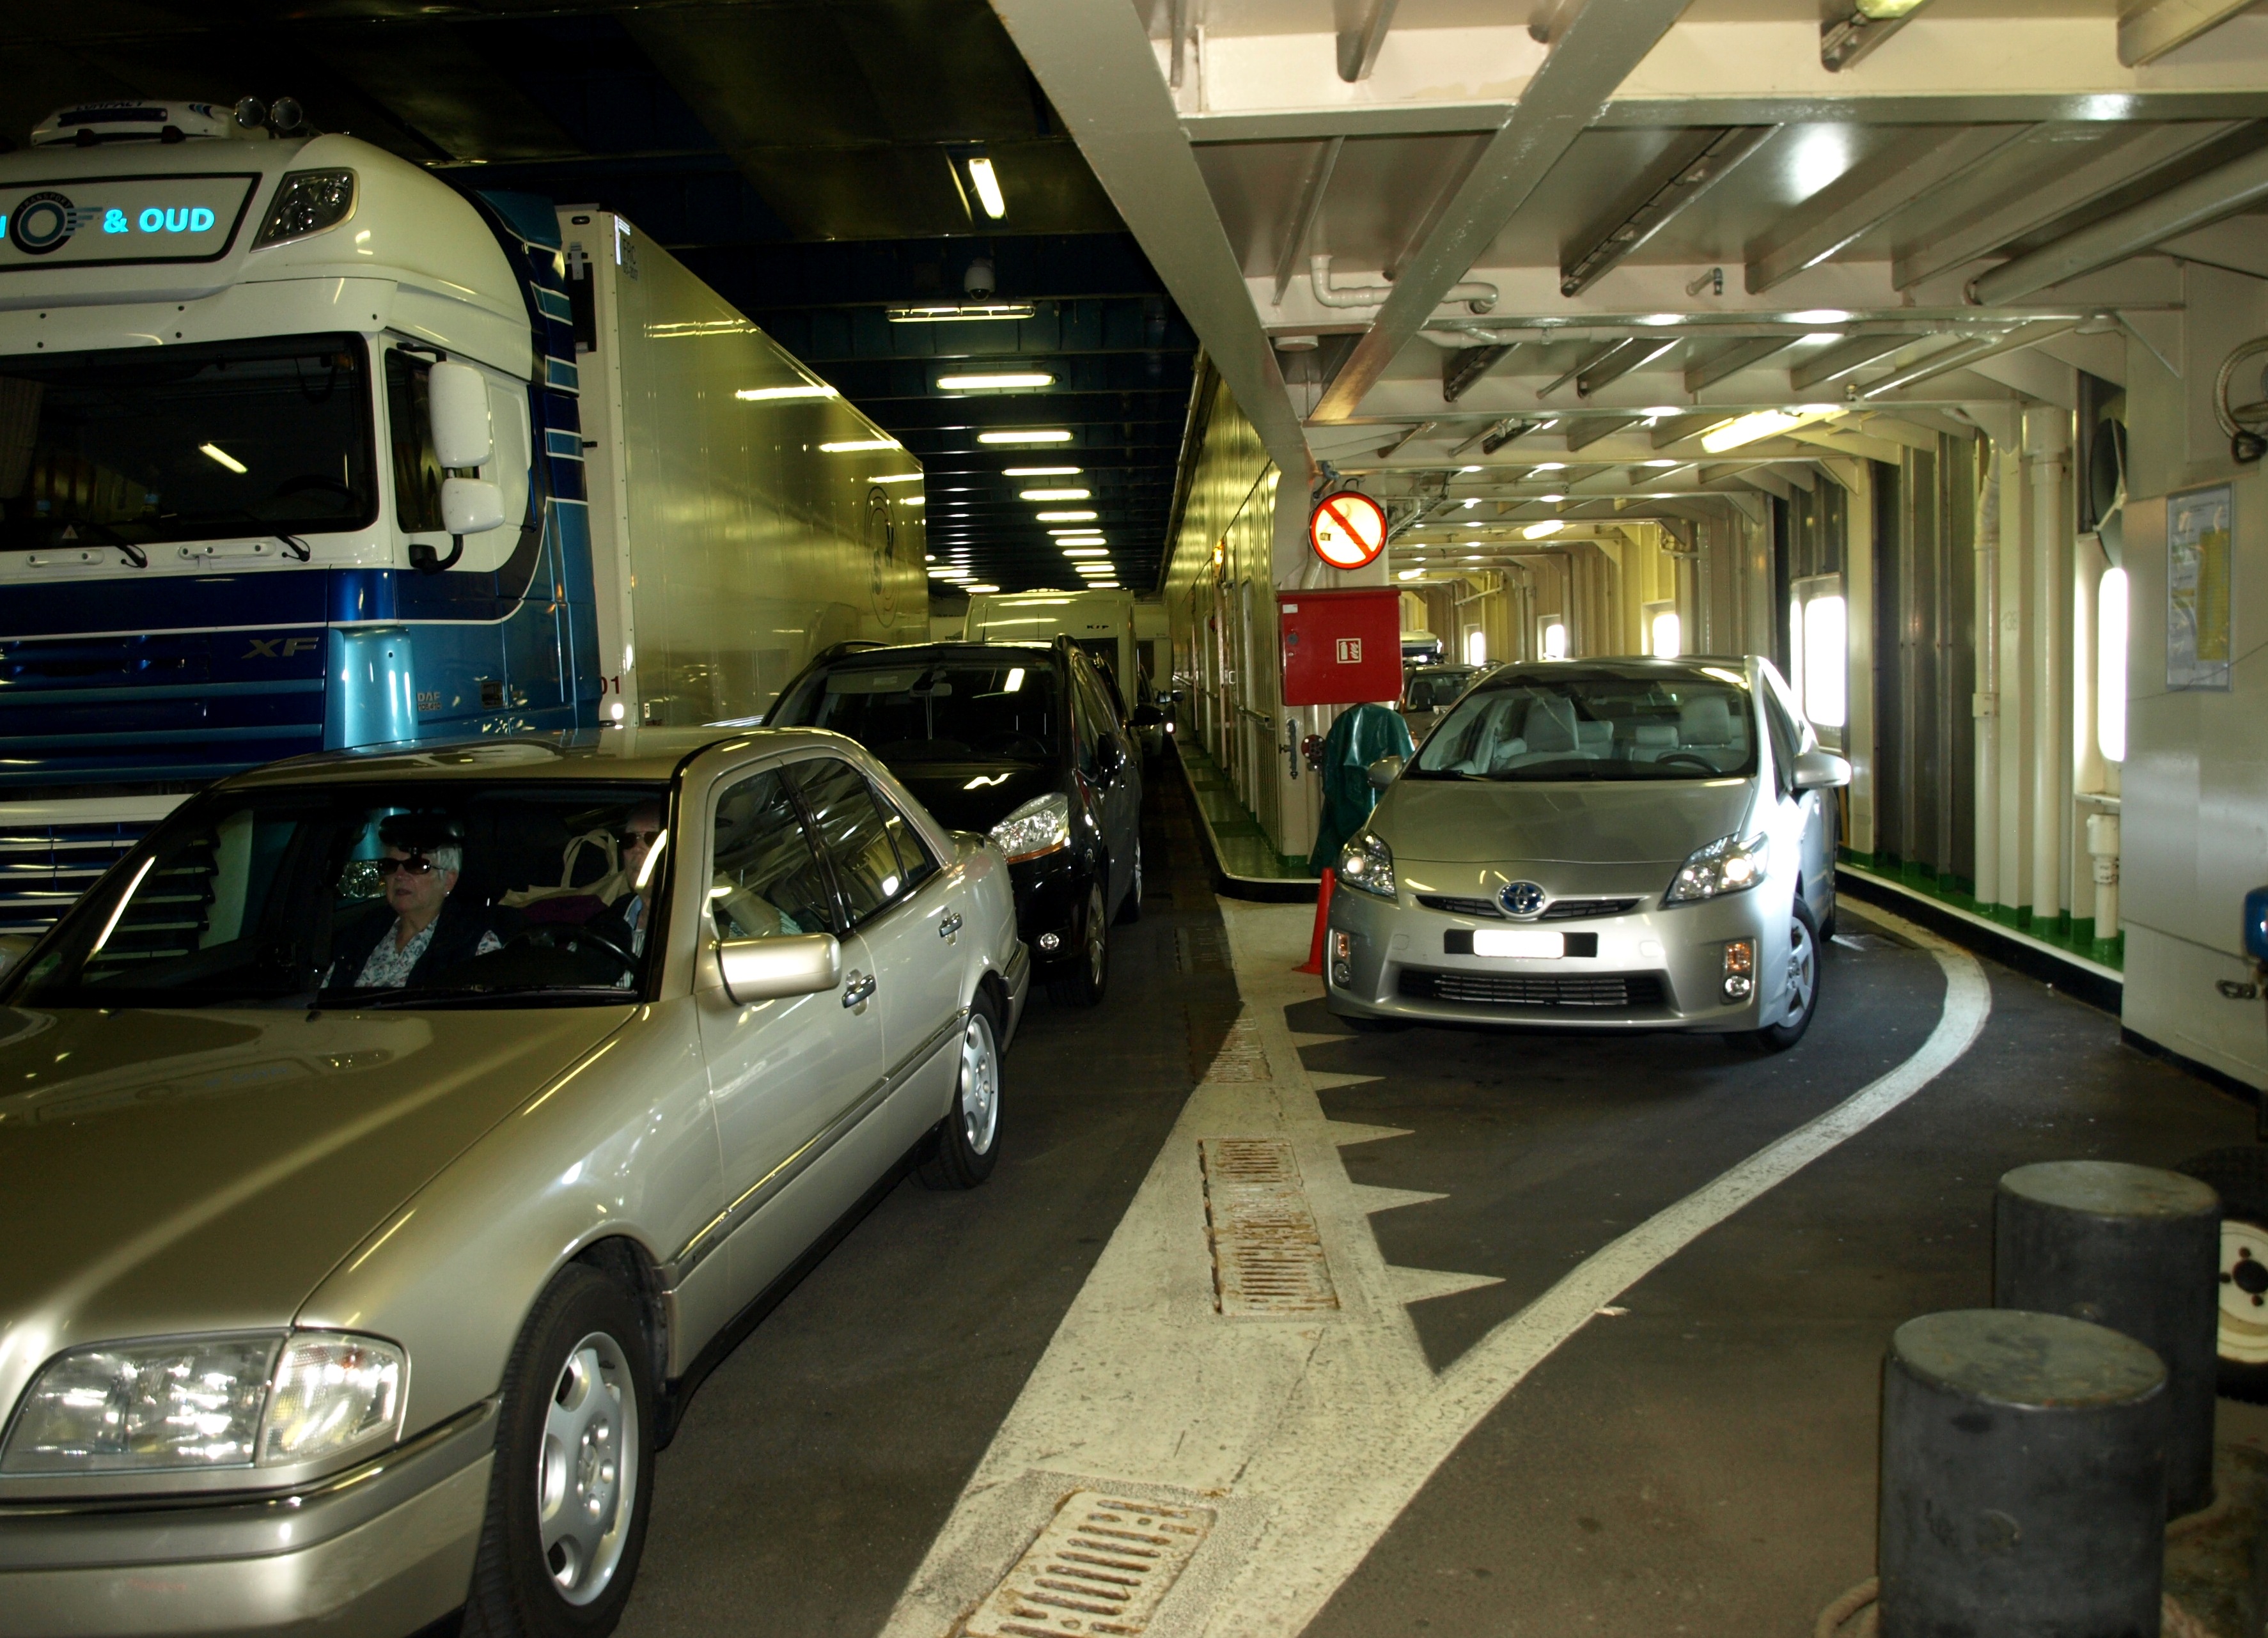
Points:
[(1539, 531), (1054, 495), (987, 184), (1068, 517), (1819, 315), (1050, 435), (1409, 574), (987, 588), (949, 313), (215, 452), (997, 381), (1548, 465), (1762, 423), (1550, 497), (1039, 472), (853, 446), (773, 394), (1086, 551)]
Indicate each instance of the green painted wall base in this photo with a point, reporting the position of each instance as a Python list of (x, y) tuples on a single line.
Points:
[(2065, 932)]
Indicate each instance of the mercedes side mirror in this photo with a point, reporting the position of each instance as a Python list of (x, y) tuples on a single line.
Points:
[(457, 401), (1815, 769), (1384, 772), (773, 969), (471, 506)]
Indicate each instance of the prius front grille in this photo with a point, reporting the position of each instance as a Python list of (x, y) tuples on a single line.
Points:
[(1628, 992)]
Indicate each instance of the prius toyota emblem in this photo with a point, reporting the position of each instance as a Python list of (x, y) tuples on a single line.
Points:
[(1521, 898)]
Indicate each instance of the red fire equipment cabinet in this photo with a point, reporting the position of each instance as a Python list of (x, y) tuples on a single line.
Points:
[(1341, 648)]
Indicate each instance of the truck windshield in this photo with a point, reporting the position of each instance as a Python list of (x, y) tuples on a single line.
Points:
[(451, 894), (957, 710), (1595, 723), (144, 445)]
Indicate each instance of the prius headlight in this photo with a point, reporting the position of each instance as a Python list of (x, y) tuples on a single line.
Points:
[(206, 1402), (1730, 864), (1041, 825), (1368, 863)]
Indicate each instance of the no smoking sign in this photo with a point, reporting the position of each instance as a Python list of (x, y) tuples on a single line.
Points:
[(1347, 529)]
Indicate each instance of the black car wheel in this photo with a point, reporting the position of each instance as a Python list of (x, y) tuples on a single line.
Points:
[(1089, 973), (573, 1480)]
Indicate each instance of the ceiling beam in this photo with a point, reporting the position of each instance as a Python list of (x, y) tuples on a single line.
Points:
[(1734, 359), (1094, 60), (1362, 26), (1694, 162), (1595, 52), (1629, 356), (1292, 258), (1867, 194), (1847, 34), (1582, 434), (2148, 30), (2119, 156), (1837, 362), (1961, 355)]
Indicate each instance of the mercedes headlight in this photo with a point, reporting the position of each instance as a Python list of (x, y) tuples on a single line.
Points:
[(1040, 826), (1368, 863), (1729, 864), (206, 1402)]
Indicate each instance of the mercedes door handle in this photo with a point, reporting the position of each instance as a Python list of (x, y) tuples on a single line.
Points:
[(858, 989), (950, 925)]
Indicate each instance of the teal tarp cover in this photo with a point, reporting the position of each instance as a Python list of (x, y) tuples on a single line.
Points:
[(1359, 737)]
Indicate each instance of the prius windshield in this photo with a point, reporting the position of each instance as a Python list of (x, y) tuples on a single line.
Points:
[(127, 449), (443, 894), (957, 710), (1573, 722)]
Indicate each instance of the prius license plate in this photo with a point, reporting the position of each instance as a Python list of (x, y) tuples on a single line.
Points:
[(1495, 941)]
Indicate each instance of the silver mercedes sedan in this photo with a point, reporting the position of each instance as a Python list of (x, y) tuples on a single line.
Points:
[(1627, 844), (391, 1140)]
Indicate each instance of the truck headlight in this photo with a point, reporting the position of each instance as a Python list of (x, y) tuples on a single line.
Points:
[(1729, 864), (307, 202), (1368, 863), (206, 1402), (1040, 826)]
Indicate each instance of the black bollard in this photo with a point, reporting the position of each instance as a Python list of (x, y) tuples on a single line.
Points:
[(2023, 1480), (2136, 1249)]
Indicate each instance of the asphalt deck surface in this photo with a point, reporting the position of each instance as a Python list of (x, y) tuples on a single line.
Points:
[(1703, 1463)]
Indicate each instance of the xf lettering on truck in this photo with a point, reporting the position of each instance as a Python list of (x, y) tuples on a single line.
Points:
[(278, 648)]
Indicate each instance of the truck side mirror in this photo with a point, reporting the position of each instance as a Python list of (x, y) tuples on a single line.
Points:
[(457, 398), (471, 506)]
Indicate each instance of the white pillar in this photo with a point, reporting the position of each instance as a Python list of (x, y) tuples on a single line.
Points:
[(1986, 703), (2047, 446)]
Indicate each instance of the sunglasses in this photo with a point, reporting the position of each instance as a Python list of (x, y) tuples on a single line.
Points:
[(638, 838), (416, 864)]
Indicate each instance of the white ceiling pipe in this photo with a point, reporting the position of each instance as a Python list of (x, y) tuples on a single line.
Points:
[(2202, 199), (1478, 297)]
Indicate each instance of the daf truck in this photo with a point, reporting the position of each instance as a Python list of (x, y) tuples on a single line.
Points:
[(302, 448)]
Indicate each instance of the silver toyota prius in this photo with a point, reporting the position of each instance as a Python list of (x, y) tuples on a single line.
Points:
[(391, 1141), (1628, 844)]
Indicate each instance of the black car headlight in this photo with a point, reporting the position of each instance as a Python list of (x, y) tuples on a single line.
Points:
[(1368, 863), (264, 1400), (1040, 826), (1730, 864)]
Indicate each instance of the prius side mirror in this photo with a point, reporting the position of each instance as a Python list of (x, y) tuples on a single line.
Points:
[(457, 400), (1384, 772), (1815, 769), (773, 969)]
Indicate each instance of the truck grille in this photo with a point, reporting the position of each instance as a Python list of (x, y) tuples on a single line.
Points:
[(45, 868), (1629, 992)]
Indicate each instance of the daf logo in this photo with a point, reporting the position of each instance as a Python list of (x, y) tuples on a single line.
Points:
[(1522, 899)]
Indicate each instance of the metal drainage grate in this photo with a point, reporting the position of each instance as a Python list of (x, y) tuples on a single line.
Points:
[(1202, 948), (1267, 1257), (1226, 1051), (1102, 1565)]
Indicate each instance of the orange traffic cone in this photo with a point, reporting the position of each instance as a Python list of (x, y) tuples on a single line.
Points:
[(1323, 922)]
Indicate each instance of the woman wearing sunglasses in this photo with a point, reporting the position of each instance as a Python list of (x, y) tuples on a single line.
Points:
[(418, 933)]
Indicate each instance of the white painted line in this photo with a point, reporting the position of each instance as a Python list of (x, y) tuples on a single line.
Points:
[(1308, 1439)]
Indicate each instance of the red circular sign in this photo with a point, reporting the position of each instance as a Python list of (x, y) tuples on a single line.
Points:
[(1347, 529)]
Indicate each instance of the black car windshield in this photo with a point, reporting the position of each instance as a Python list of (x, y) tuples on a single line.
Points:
[(443, 894), (1573, 722), (160, 443), (948, 710)]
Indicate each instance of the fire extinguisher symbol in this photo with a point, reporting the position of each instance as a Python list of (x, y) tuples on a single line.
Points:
[(1350, 650)]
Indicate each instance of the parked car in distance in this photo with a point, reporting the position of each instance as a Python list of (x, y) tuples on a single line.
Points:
[(1429, 691), (393, 1141), (1020, 741), (1627, 844)]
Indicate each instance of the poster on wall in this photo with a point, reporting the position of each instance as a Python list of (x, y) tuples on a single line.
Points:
[(2199, 526)]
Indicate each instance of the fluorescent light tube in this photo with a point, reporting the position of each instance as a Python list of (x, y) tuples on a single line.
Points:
[(987, 183)]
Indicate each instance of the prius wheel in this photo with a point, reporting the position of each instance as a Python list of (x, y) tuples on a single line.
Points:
[(968, 1140), (1131, 911), (573, 1484), (1800, 996), (1090, 974), (2240, 1177)]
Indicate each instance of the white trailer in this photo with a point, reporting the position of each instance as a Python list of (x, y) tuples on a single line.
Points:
[(1100, 622)]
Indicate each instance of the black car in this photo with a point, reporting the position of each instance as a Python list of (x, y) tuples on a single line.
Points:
[(1022, 742)]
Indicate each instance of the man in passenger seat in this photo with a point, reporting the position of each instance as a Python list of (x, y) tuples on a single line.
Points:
[(639, 835)]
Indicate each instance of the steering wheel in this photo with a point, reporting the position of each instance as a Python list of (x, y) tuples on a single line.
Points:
[(542, 938), (1694, 757)]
